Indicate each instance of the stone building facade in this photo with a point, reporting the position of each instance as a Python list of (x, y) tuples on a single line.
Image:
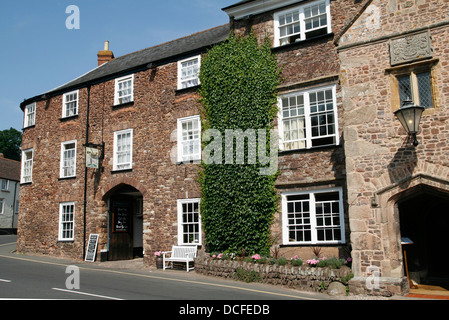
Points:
[(343, 157), (396, 50)]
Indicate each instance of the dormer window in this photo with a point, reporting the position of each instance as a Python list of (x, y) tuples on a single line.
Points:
[(301, 23)]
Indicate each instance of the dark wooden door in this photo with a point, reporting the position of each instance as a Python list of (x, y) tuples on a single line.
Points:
[(120, 230)]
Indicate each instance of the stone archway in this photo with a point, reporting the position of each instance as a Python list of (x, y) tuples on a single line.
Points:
[(125, 220), (398, 206)]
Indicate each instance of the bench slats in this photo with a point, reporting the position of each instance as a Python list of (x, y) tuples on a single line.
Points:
[(180, 254)]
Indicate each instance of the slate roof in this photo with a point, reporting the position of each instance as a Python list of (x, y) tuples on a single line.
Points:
[(9, 169), (163, 53)]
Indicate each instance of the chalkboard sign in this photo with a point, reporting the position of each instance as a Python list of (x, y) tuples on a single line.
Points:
[(121, 223), (92, 247)]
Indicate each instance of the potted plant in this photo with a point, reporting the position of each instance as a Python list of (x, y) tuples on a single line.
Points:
[(159, 259)]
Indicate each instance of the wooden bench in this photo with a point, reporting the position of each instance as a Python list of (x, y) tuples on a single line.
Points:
[(180, 254)]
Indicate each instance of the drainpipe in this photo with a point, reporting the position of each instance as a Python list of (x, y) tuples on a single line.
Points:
[(85, 175), (14, 204)]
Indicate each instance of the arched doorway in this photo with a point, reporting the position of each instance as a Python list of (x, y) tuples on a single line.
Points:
[(125, 224), (424, 219)]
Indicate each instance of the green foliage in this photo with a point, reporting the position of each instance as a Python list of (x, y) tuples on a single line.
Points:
[(247, 276), (10, 141), (238, 91), (297, 262), (282, 261)]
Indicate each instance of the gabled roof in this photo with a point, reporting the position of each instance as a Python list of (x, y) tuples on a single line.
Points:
[(159, 54)]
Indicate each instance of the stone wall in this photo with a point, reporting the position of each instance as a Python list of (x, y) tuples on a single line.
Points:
[(302, 278)]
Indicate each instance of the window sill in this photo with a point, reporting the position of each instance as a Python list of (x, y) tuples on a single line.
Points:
[(29, 127), (123, 105), (121, 171), (192, 88), (195, 161), (313, 149), (66, 178), (26, 183), (315, 244), (299, 43), (68, 118)]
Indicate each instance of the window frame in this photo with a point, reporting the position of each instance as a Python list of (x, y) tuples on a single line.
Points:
[(25, 166), (116, 90), (115, 154), (2, 206), (65, 104), (301, 35), (61, 222), (181, 224), (29, 115), (414, 86), (313, 217), (180, 69), (195, 156), (62, 159), (308, 139), (6, 183)]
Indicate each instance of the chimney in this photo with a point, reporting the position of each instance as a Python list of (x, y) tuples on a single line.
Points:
[(105, 55)]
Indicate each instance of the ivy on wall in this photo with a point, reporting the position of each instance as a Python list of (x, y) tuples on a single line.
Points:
[(238, 92)]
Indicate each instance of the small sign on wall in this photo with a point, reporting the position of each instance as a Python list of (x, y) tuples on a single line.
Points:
[(92, 157)]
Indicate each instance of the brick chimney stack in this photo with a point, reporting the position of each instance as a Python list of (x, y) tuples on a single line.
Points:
[(105, 55)]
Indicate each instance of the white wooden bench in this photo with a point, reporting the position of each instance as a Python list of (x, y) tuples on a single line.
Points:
[(180, 254)]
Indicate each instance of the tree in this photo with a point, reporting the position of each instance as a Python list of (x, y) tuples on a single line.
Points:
[(238, 93), (10, 141)]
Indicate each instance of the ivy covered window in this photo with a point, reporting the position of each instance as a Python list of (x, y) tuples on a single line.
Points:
[(308, 119), (313, 217)]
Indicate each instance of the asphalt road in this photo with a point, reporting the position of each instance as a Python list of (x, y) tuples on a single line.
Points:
[(40, 277)]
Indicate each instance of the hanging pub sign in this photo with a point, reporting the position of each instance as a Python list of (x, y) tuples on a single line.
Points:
[(92, 157)]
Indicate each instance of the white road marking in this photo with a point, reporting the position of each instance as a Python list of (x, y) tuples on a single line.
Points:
[(87, 294), (3, 280)]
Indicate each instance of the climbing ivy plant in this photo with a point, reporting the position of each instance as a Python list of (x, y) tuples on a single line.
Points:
[(238, 92)]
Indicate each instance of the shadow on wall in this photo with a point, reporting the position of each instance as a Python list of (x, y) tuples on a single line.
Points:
[(403, 164)]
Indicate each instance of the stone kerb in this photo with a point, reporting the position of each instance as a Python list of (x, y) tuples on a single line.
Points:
[(304, 278)]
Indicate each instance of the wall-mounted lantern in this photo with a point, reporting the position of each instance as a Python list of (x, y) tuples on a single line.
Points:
[(410, 115)]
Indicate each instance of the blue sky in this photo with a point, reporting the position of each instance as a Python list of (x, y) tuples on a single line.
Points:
[(38, 53)]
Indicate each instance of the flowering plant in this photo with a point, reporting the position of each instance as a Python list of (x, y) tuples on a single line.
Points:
[(256, 257), (158, 253), (313, 262)]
